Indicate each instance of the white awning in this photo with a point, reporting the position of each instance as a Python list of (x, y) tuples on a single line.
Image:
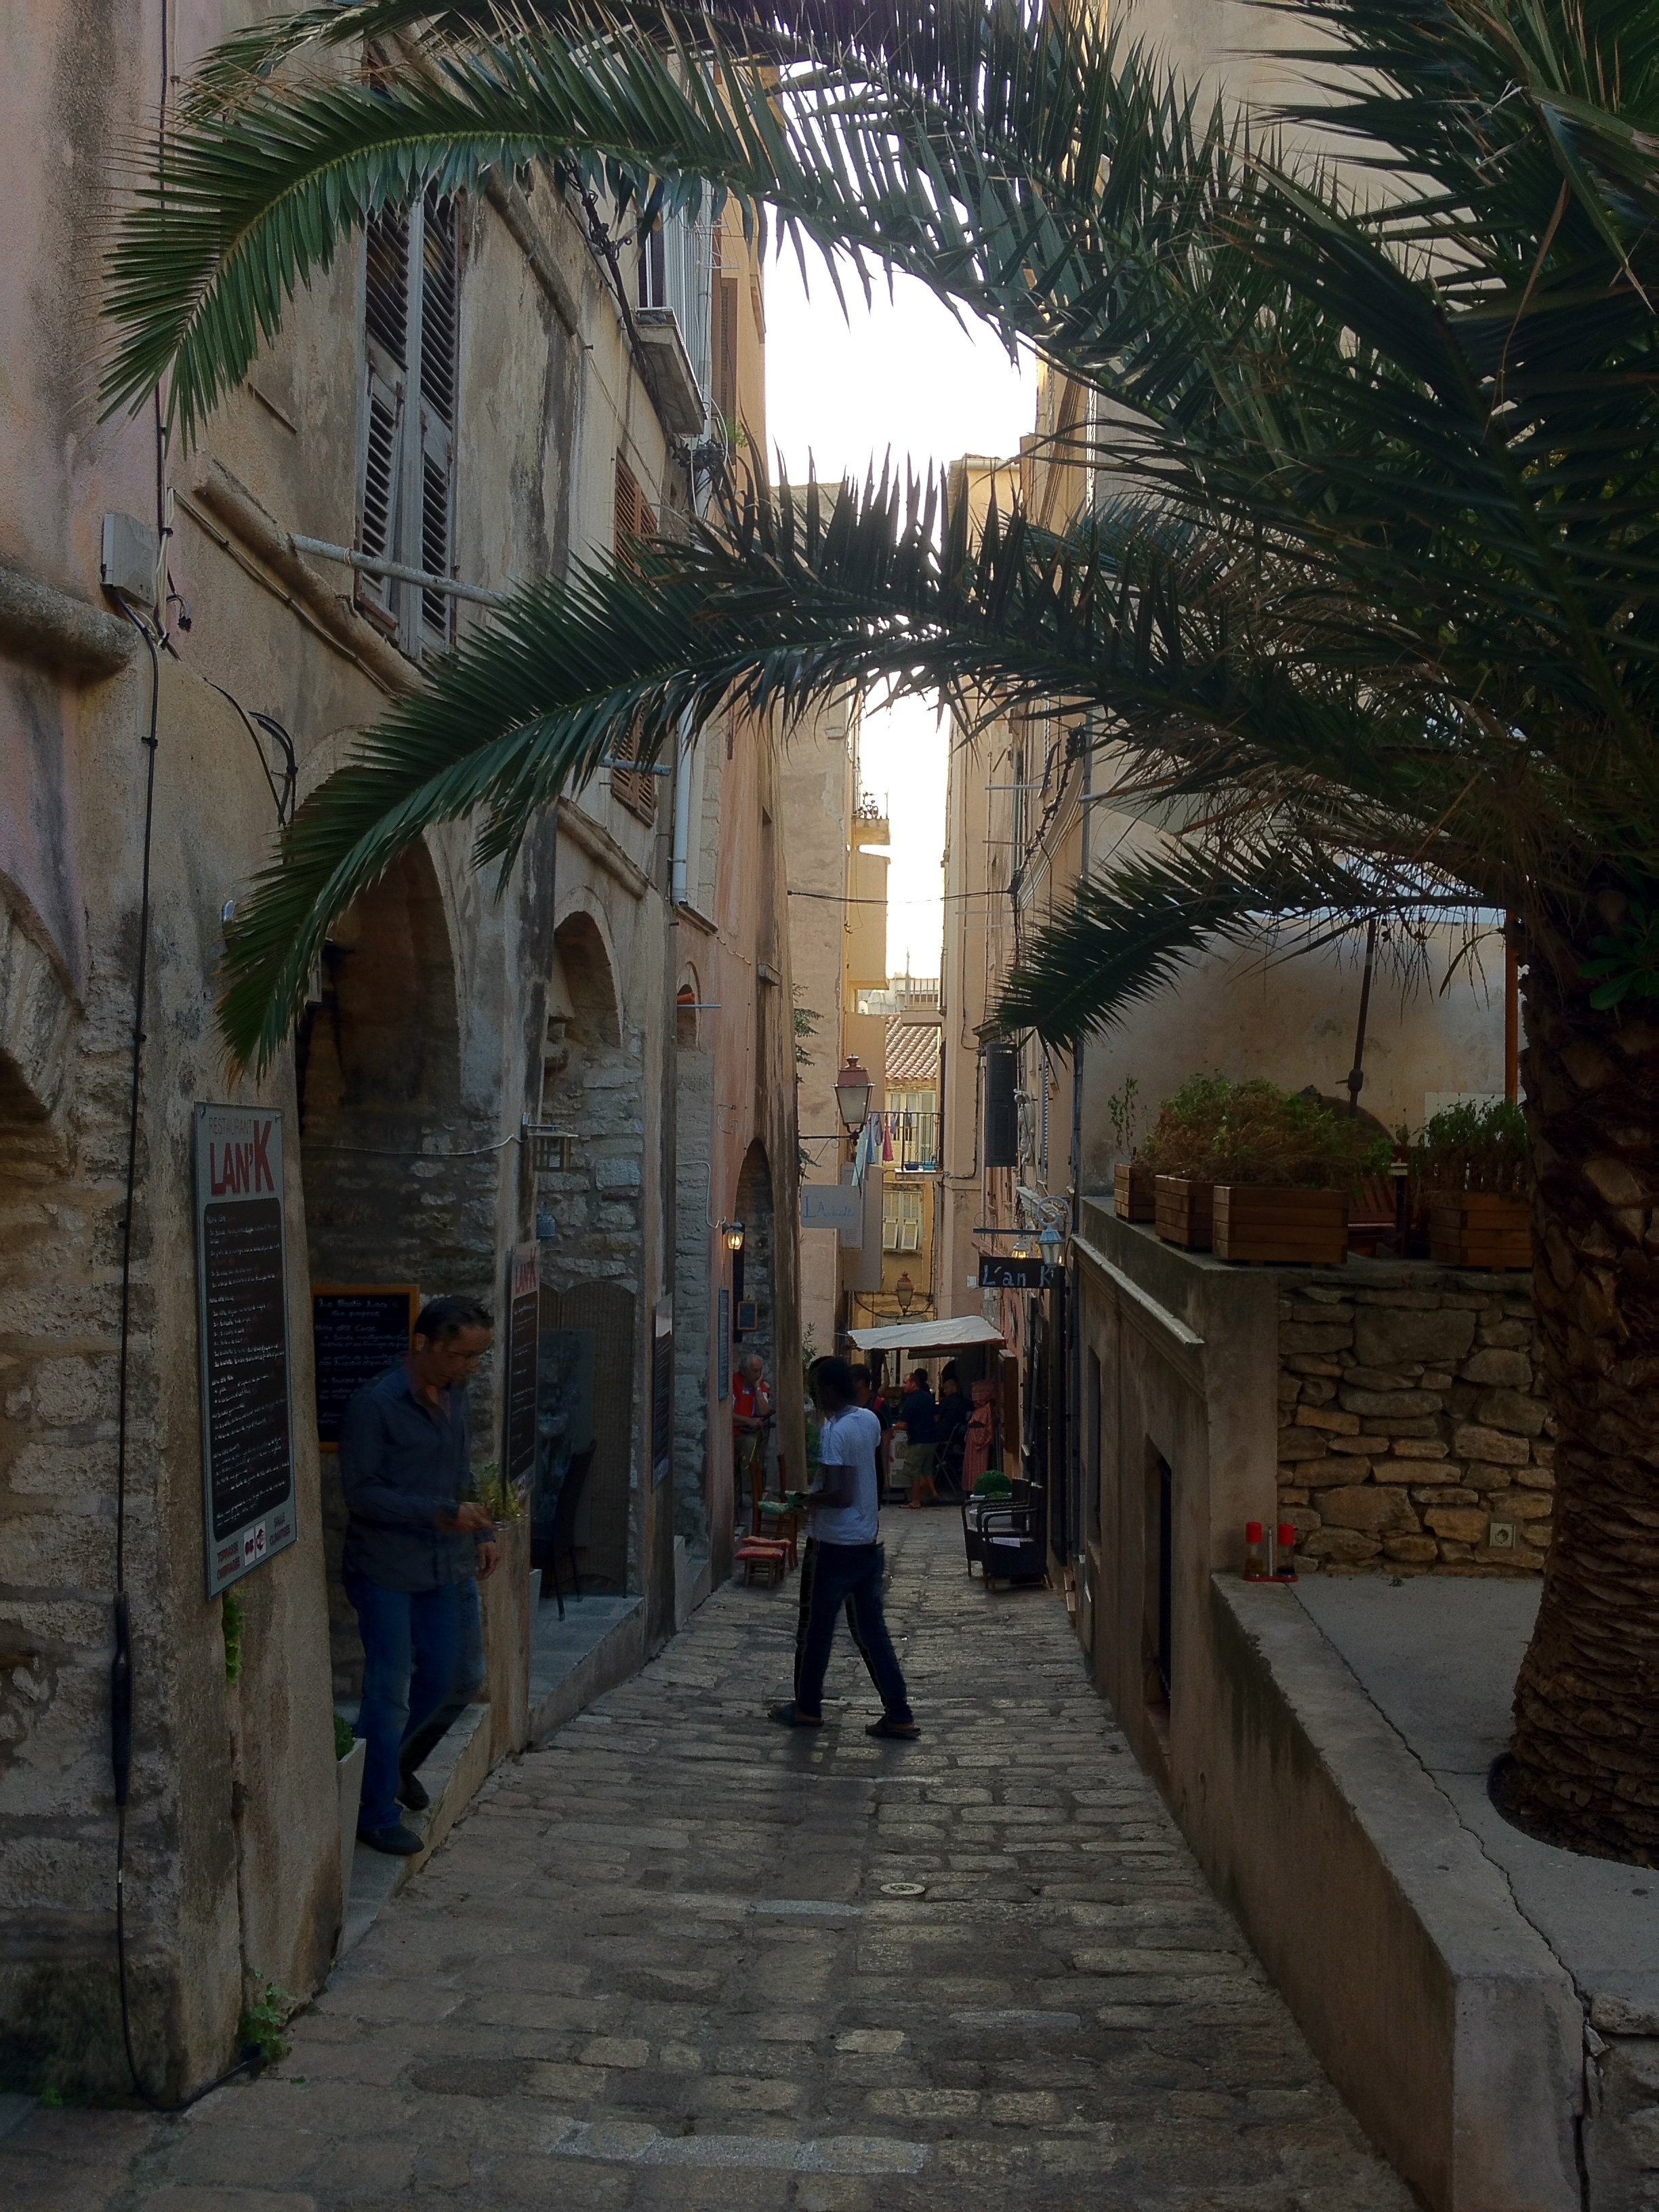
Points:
[(925, 1337)]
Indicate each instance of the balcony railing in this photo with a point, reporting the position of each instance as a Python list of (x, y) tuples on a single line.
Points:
[(911, 1141)]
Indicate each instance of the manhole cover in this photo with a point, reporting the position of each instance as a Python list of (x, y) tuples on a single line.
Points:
[(904, 1889)]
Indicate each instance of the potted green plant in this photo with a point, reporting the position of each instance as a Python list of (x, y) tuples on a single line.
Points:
[(1132, 1178), (1178, 1154), (1266, 1172), (1472, 1172)]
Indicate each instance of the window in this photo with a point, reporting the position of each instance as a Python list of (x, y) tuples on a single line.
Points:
[(725, 305), (914, 1125), (636, 788), (900, 1218), (653, 268), (406, 433)]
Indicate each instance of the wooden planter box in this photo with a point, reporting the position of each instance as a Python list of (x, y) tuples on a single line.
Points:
[(1474, 1229), (1183, 1211), (1133, 1189), (1288, 1228)]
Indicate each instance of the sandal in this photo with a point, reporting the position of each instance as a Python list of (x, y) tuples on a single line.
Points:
[(886, 1726), (787, 1716)]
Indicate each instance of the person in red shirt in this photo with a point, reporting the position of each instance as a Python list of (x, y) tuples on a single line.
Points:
[(751, 1409)]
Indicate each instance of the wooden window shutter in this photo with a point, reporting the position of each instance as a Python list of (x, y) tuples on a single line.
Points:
[(440, 308), (726, 354), (385, 360), (406, 436), (636, 788)]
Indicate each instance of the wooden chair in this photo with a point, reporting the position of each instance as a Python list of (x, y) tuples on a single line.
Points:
[(564, 1521), (1373, 1214), (756, 1553), (775, 1521)]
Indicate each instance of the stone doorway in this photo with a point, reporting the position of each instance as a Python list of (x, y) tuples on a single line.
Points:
[(591, 1387), (400, 1177)]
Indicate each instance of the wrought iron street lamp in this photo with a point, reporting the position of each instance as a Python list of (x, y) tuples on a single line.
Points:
[(904, 1290), (732, 1233), (852, 1094)]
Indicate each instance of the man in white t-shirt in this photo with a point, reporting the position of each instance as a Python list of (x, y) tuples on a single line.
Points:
[(847, 1563)]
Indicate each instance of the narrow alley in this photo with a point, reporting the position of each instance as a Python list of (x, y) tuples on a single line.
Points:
[(678, 1957)]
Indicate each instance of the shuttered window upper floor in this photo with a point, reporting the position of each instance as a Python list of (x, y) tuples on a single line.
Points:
[(407, 416)]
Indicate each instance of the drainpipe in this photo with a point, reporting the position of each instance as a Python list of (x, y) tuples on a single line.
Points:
[(682, 810), (1075, 1471)]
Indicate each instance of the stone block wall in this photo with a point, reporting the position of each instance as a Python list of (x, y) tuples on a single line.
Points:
[(1410, 1417)]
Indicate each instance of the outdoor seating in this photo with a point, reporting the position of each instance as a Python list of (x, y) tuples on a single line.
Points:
[(1012, 1548), (775, 1519), (755, 1554), (564, 1521), (991, 1488)]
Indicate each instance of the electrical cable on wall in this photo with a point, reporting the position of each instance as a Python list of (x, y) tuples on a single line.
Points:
[(283, 799), (120, 1678)]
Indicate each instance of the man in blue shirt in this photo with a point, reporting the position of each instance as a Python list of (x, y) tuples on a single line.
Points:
[(414, 1540), (847, 1560), (921, 1442)]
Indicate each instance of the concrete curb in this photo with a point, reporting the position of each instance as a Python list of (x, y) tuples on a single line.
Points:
[(619, 1653), (1440, 2013)]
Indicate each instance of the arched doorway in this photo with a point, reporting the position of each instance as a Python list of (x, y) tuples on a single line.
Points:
[(592, 1106), (400, 1176), (754, 1301), (695, 1261)]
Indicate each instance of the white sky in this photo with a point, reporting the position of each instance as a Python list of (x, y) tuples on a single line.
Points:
[(845, 389)]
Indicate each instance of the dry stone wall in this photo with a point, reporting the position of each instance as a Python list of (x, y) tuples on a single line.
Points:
[(1410, 1417)]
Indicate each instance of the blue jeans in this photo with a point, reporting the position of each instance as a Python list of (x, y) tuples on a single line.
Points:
[(849, 1574), (422, 1738), (411, 1648)]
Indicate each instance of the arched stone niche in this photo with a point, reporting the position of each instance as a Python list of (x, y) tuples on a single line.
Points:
[(400, 1177), (590, 1392)]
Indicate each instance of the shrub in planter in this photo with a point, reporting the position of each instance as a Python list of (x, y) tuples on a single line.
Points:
[(1282, 1164), (1132, 1179), (1183, 1211), (1471, 1173)]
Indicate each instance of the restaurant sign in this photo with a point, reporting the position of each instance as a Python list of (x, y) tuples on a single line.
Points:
[(247, 1441), (1017, 1274)]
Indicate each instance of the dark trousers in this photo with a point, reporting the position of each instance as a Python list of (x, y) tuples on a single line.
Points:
[(411, 1642), (420, 1743), (846, 1575), (809, 1568)]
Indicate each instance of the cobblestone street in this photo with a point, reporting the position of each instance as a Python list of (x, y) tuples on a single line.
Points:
[(679, 1958)]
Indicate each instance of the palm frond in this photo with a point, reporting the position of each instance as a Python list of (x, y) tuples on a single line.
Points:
[(790, 597)]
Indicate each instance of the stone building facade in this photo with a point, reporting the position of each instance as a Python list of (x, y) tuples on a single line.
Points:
[(1411, 1421), (449, 1018)]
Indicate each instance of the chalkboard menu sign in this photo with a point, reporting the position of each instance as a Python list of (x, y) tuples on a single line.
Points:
[(248, 1447), (523, 1334), (357, 1331)]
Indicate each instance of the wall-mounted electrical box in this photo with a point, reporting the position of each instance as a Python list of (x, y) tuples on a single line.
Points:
[(128, 561)]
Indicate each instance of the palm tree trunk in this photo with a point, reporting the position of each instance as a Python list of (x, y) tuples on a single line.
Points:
[(1585, 1769)]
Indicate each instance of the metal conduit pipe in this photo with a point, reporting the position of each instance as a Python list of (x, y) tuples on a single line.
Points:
[(399, 571)]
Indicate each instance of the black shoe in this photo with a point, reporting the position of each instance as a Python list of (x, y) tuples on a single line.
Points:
[(400, 1842), (902, 1731), (412, 1792), (790, 1715)]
